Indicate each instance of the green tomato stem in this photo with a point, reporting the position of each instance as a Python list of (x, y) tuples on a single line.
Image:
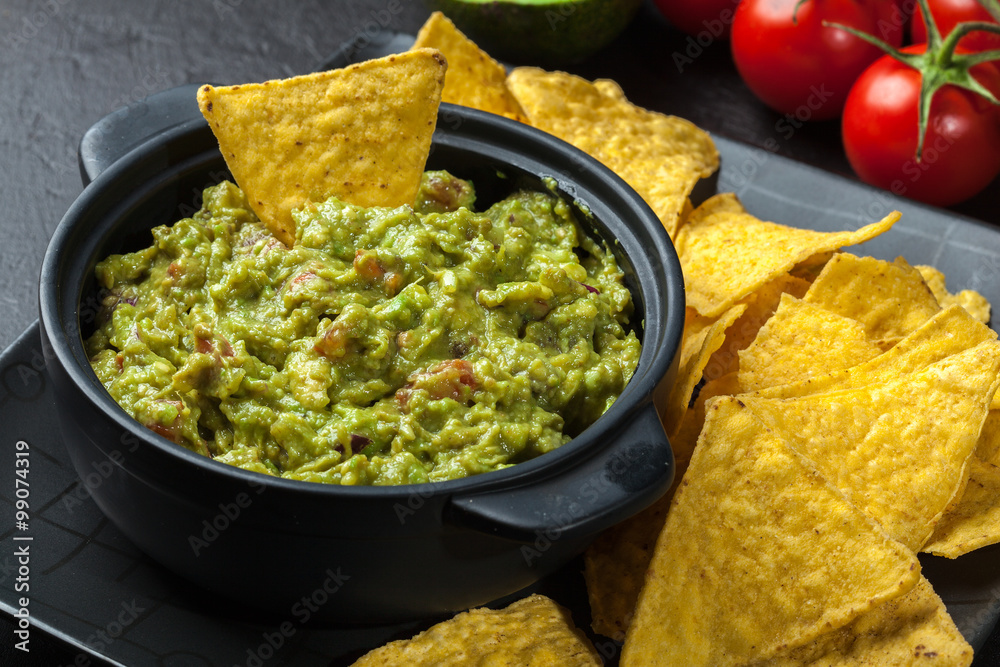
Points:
[(938, 65), (992, 7), (795, 12)]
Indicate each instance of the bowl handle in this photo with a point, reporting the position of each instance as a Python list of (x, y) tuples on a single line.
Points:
[(122, 130), (603, 490)]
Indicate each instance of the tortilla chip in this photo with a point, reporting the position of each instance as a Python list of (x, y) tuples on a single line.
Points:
[(889, 299), (974, 521), (684, 442), (702, 337), (474, 79), (914, 628), (615, 563), (988, 447), (759, 554), (760, 306), (533, 631), (727, 254), (971, 300), (897, 450), (610, 88), (614, 567), (802, 340), (362, 133), (949, 332), (661, 157)]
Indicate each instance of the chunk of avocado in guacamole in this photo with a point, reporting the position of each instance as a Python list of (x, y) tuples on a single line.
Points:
[(388, 346)]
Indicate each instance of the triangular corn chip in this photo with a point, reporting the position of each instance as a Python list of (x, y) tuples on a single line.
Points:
[(531, 631), (889, 299), (802, 340), (727, 254), (988, 447), (913, 629), (361, 133), (897, 450), (615, 563), (760, 306), (974, 521), (702, 337), (661, 157), (759, 554), (974, 302), (951, 331), (474, 79)]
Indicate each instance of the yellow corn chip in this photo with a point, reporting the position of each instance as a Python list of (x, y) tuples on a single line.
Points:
[(914, 628), (662, 157), (951, 331), (533, 631), (889, 299), (802, 340), (974, 521), (759, 554), (760, 306), (897, 450), (610, 88), (971, 300), (702, 337), (988, 447), (684, 442), (615, 563), (362, 133), (615, 567), (474, 79), (726, 253)]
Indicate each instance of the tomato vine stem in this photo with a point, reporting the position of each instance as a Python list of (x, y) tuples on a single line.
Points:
[(939, 65)]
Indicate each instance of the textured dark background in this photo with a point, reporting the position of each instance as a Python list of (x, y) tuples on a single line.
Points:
[(66, 63)]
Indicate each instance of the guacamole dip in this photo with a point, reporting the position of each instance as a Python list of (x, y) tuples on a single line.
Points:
[(388, 346)]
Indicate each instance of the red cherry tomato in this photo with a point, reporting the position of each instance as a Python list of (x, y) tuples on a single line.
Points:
[(961, 152), (694, 17), (802, 67), (947, 14)]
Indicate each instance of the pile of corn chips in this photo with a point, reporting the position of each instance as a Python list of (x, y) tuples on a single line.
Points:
[(661, 157), (843, 424), (833, 415)]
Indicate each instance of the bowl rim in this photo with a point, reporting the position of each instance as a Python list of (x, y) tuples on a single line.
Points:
[(64, 345)]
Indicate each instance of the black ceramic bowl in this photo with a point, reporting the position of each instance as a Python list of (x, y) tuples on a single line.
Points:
[(361, 554)]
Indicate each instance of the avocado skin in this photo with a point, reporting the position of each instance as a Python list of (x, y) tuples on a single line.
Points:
[(553, 33)]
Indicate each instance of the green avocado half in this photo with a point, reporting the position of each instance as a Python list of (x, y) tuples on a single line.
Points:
[(542, 32)]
